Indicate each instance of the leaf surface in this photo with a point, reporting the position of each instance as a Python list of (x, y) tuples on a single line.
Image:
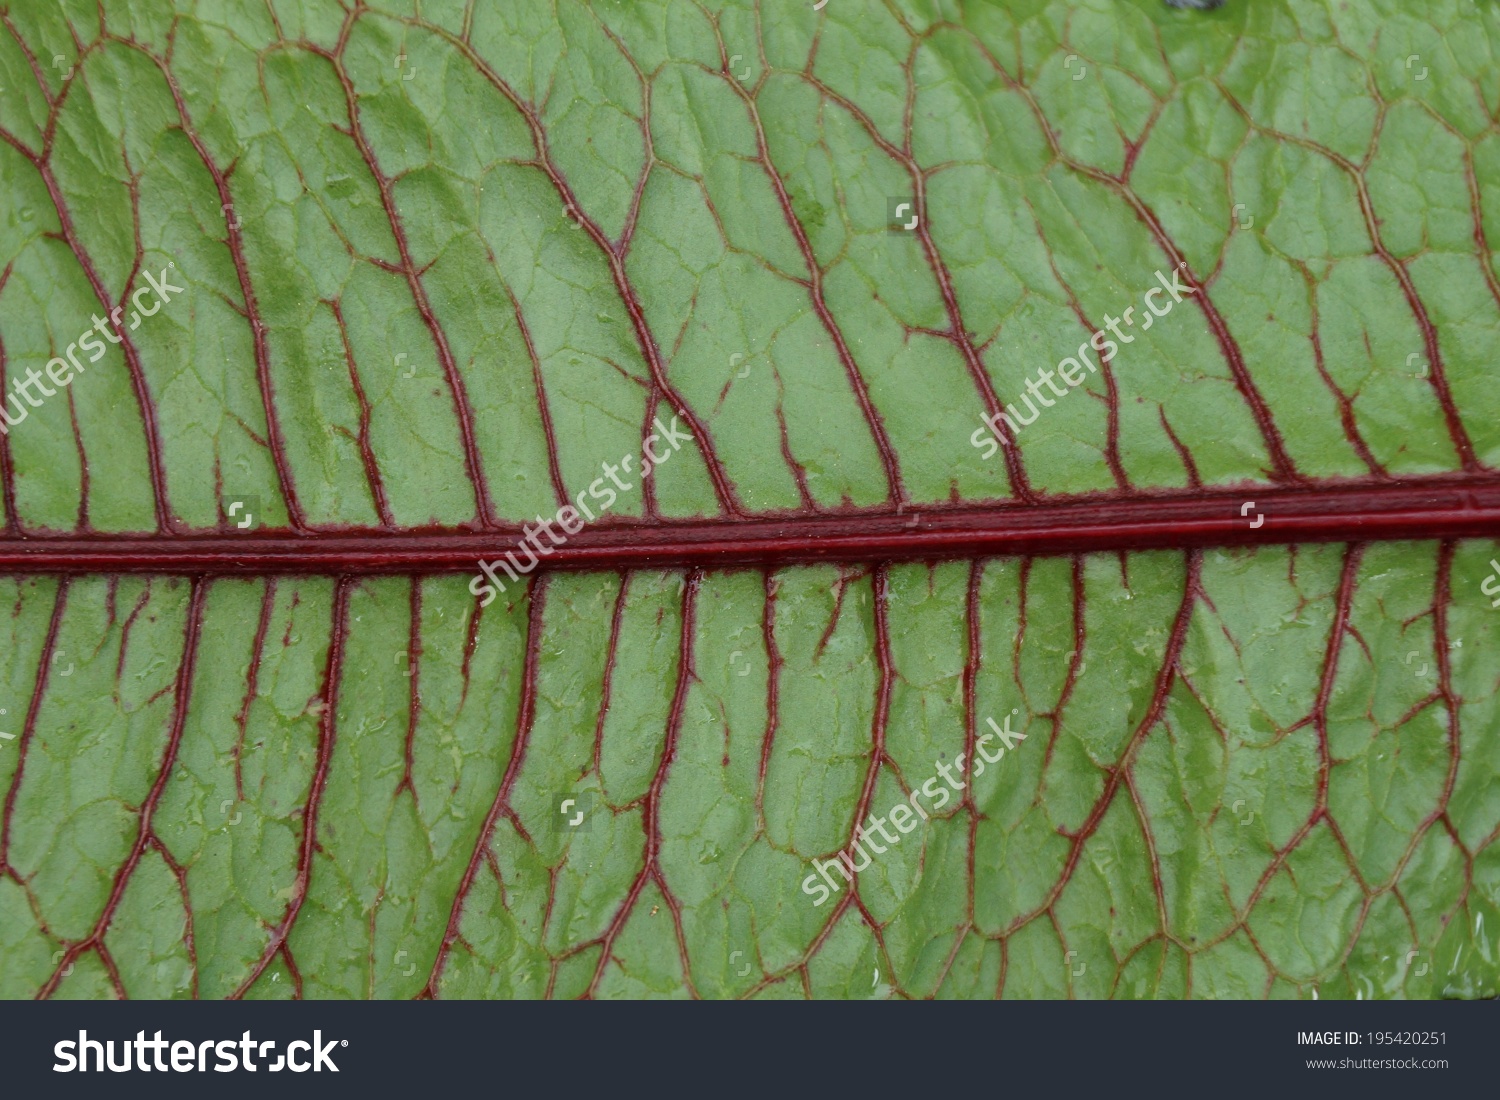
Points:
[(441, 269)]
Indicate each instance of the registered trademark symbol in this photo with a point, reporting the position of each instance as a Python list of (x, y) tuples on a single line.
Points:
[(343, 1042)]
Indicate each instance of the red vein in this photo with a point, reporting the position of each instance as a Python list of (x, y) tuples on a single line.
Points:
[(236, 245), (611, 652), (1118, 773), (1436, 376), (1111, 389), (1282, 467), (774, 665), (651, 808), (1347, 419), (1444, 506), (554, 466), (7, 462), (413, 689), (39, 161), (880, 589), (1014, 466), (463, 411), (615, 257), (895, 489), (38, 690), (144, 832), (252, 682), (180, 874), (326, 735), (526, 714), (1318, 719), (366, 450)]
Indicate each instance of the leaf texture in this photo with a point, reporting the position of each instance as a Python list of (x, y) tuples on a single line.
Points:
[(443, 265)]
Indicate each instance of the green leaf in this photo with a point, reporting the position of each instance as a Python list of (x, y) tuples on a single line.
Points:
[(438, 269)]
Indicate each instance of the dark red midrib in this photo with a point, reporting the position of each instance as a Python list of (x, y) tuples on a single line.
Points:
[(1450, 506)]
